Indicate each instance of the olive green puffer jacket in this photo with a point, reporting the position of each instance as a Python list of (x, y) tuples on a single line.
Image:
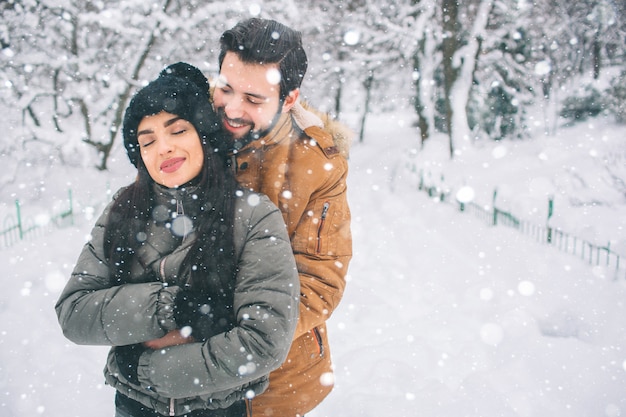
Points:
[(227, 367)]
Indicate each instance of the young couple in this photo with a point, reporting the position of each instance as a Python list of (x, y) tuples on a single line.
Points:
[(213, 307)]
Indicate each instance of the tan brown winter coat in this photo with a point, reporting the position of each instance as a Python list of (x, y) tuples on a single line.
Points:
[(302, 166)]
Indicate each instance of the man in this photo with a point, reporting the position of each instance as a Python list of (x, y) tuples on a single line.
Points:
[(300, 161)]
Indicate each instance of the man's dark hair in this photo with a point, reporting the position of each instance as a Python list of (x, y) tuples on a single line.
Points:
[(264, 41)]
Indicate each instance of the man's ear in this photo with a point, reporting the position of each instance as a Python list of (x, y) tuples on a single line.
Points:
[(290, 100)]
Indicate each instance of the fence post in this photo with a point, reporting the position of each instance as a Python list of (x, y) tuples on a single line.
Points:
[(493, 204), (19, 219), (71, 212), (550, 210)]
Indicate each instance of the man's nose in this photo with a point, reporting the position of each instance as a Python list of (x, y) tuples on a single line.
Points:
[(233, 107)]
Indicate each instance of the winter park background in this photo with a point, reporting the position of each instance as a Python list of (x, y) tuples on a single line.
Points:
[(444, 315)]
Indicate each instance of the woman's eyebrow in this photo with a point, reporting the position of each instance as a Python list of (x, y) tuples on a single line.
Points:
[(144, 132), (166, 124), (172, 121)]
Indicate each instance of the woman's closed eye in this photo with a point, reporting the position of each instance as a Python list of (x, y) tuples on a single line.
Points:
[(146, 143), (177, 126)]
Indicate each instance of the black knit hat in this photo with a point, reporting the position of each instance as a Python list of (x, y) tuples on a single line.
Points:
[(183, 90)]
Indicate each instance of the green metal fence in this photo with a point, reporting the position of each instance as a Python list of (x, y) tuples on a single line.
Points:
[(589, 252), (17, 227)]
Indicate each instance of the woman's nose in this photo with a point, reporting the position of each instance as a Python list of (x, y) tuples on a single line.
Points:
[(165, 146)]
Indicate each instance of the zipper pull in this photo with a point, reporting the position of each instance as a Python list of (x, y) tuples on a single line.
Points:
[(318, 339), (325, 210)]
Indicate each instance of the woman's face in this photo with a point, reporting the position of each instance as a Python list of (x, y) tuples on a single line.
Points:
[(170, 149)]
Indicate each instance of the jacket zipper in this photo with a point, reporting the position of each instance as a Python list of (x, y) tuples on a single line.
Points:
[(172, 410), (248, 407), (233, 163), (325, 208), (318, 338), (180, 211)]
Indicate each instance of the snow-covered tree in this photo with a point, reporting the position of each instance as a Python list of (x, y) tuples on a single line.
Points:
[(426, 59), (469, 69), (460, 55), (69, 67), (504, 82), (572, 40)]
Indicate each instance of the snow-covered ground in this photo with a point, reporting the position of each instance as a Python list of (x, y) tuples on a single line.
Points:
[(443, 315)]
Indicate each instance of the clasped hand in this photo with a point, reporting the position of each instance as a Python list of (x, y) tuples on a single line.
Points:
[(173, 338)]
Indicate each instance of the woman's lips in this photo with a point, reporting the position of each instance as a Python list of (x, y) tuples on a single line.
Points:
[(172, 165)]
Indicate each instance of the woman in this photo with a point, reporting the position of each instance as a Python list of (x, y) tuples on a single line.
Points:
[(191, 280)]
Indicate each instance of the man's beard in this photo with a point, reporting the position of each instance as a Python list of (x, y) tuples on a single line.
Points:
[(252, 135)]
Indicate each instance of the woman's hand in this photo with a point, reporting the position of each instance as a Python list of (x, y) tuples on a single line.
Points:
[(173, 338)]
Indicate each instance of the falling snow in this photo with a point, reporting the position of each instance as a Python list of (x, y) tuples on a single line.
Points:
[(442, 315)]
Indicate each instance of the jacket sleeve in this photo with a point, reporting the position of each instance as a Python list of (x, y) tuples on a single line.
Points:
[(318, 220), (93, 311), (266, 308)]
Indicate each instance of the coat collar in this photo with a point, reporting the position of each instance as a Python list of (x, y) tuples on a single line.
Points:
[(331, 136), (177, 201), (282, 130)]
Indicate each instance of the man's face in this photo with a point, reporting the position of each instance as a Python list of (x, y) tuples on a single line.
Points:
[(247, 96)]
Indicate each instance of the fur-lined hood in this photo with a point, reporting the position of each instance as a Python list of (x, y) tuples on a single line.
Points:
[(306, 116)]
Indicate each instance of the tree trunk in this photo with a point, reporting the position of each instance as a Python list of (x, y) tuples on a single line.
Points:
[(597, 52), (450, 10), (338, 92), (366, 108), (423, 123), (424, 64), (460, 73), (426, 59)]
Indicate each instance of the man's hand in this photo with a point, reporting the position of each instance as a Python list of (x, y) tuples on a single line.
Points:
[(173, 338)]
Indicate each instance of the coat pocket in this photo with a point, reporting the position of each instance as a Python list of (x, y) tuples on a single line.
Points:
[(314, 346), (320, 232), (320, 227)]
